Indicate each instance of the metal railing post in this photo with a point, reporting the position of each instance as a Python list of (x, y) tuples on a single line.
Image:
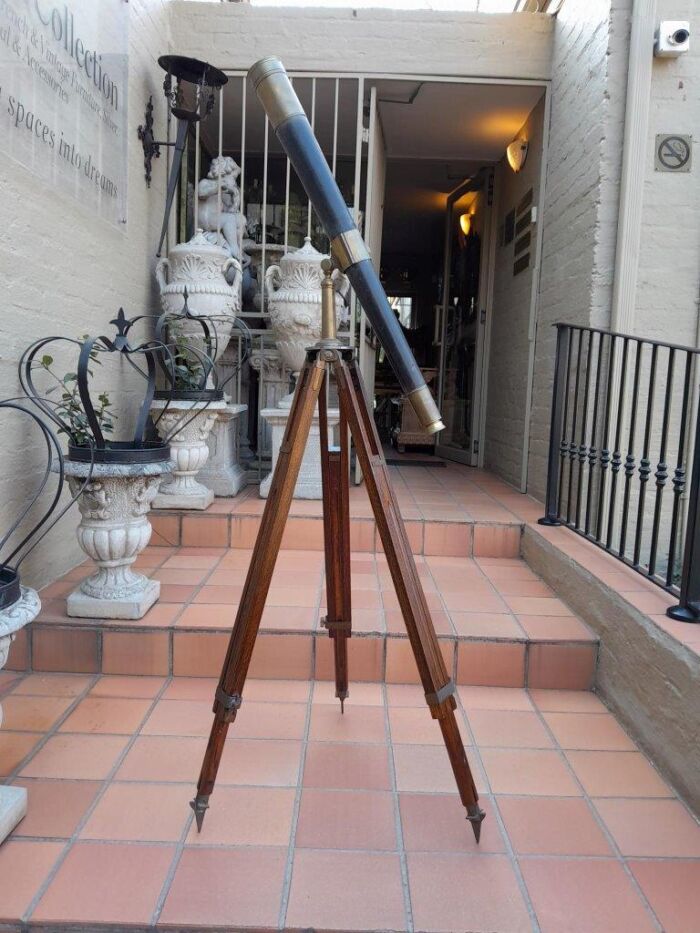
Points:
[(559, 388), (688, 609)]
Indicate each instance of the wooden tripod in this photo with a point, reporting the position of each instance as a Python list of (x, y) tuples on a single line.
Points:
[(327, 357)]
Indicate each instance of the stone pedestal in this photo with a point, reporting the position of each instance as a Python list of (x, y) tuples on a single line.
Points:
[(186, 426), (114, 529), (13, 800), (309, 480), (223, 473)]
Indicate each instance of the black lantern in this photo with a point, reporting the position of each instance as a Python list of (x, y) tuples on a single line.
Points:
[(27, 529), (70, 405), (189, 88)]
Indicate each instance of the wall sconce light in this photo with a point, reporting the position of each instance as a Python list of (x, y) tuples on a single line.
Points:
[(516, 153), (465, 222)]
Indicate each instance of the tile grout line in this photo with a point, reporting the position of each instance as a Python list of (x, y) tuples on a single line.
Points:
[(529, 906), (70, 842), (289, 867), (403, 860), (172, 869), (619, 857)]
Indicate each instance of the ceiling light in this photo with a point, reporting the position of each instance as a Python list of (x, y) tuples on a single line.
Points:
[(465, 222), (516, 153)]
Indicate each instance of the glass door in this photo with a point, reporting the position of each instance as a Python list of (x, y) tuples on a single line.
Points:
[(461, 330)]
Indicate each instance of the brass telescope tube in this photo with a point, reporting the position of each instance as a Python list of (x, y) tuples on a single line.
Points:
[(278, 98)]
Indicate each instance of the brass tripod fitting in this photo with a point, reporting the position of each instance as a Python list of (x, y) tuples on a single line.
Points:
[(328, 331)]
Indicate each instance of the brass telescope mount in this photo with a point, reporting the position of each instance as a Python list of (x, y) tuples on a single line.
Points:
[(329, 358)]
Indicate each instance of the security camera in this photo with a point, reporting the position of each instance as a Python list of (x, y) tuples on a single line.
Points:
[(672, 39)]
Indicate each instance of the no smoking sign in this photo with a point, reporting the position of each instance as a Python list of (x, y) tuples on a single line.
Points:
[(673, 153)]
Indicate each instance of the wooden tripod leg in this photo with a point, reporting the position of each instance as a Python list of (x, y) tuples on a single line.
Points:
[(257, 584), (437, 684), (335, 466)]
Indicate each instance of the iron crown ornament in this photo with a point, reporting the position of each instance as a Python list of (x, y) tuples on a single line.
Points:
[(70, 404), (19, 536)]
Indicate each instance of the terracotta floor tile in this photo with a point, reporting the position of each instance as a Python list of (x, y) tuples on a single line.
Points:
[(101, 883), (494, 698), (191, 688), (219, 595), (107, 715), (360, 694), (437, 823), (427, 768), (166, 758), (537, 606), (14, 747), (358, 724), (180, 717), (24, 865), (405, 695), (246, 816), (560, 890), (555, 628), (567, 701), (589, 731), (653, 828), (188, 577), (346, 891), (276, 691), (508, 729), (485, 625), (117, 685), (226, 888), (528, 771), (176, 594), (205, 616), (54, 808), (33, 713), (483, 600), (81, 757), (346, 819), (289, 618), (140, 812), (191, 561), (251, 761), (617, 774), (269, 721), (57, 685), (458, 893), (552, 826), (347, 766), (673, 890), (416, 726)]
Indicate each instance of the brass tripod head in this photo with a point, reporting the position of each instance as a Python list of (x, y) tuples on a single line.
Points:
[(329, 337)]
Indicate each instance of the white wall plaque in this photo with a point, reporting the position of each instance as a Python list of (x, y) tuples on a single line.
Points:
[(63, 96)]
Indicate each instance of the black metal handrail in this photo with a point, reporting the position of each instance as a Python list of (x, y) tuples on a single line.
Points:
[(621, 407)]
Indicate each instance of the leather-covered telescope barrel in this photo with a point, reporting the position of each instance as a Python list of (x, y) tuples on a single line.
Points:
[(288, 119)]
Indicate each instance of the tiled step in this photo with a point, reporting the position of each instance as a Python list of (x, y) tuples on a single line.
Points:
[(497, 623)]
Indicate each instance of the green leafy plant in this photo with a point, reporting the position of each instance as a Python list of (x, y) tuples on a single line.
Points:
[(70, 409), (187, 368)]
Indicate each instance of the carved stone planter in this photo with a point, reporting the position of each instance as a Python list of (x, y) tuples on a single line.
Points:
[(13, 800), (223, 472), (201, 268), (114, 529), (187, 425)]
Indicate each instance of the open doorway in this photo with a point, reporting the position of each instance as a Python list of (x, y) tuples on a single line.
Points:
[(444, 143)]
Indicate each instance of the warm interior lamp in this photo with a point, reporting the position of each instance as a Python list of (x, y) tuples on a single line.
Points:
[(465, 222), (516, 153)]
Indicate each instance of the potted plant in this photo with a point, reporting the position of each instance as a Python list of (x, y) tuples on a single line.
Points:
[(119, 477)]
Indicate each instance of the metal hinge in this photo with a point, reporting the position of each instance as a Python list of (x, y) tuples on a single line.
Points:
[(482, 316), (365, 134), (475, 447)]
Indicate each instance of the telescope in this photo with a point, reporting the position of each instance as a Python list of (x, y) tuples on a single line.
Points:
[(288, 119)]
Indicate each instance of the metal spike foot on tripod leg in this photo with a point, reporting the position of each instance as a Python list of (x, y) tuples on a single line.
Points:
[(476, 816), (200, 805)]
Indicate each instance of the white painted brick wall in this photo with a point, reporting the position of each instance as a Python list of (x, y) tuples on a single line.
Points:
[(65, 271), (589, 79), (235, 35)]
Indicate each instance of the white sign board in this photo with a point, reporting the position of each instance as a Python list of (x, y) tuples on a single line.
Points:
[(63, 96)]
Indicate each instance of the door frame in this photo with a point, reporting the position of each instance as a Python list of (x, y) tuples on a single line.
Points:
[(478, 182)]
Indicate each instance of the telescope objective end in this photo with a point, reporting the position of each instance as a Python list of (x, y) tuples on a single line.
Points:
[(426, 410), (274, 89)]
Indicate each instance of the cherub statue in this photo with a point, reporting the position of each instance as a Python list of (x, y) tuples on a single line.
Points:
[(224, 216)]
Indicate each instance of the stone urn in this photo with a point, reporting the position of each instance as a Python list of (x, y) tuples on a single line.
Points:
[(200, 268), (294, 300), (114, 529), (186, 425), (13, 800)]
